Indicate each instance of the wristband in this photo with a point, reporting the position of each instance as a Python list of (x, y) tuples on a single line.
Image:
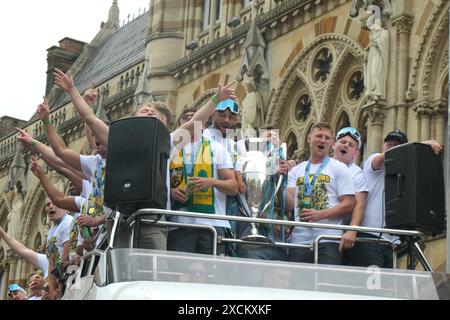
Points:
[(33, 143), (214, 100), (46, 122)]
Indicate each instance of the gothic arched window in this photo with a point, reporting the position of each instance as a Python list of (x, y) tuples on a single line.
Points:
[(292, 145), (343, 121)]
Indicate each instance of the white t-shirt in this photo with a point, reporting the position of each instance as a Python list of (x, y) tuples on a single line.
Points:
[(43, 263), (61, 231), (360, 184), (86, 189), (34, 298), (375, 213), (375, 199), (332, 183), (221, 160), (359, 181)]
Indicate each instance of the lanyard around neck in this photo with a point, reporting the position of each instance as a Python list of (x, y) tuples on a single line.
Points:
[(310, 185)]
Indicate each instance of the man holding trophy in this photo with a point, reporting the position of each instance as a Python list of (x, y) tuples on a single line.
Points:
[(321, 191), (262, 178)]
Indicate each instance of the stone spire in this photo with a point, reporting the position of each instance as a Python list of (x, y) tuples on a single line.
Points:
[(254, 46), (113, 18)]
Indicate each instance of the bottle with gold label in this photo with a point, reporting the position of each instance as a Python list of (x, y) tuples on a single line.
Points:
[(306, 203)]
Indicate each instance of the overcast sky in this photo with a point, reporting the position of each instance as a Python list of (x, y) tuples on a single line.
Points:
[(29, 28)]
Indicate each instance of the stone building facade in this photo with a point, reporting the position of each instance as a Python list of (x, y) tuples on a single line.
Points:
[(305, 57)]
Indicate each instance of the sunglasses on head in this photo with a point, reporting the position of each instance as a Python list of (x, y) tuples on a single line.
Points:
[(228, 104), (351, 132)]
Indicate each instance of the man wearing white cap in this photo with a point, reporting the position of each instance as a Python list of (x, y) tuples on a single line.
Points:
[(346, 149), (16, 292)]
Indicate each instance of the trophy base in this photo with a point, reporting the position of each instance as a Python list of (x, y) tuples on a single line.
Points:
[(256, 238)]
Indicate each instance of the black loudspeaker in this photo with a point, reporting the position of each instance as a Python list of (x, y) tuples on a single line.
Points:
[(414, 189), (136, 165)]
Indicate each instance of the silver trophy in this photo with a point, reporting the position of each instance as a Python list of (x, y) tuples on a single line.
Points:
[(259, 173)]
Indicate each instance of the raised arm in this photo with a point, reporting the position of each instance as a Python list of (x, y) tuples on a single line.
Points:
[(38, 147), (75, 177), (90, 96), (222, 93), (24, 252), (56, 142), (100, 129), (57, 197)]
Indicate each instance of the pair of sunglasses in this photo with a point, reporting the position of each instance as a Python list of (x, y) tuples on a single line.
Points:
[(228, 104), (352, 132)]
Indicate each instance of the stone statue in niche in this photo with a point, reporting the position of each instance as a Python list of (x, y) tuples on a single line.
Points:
[(15, 217), (252, 106), (17, 182), (376, 62)]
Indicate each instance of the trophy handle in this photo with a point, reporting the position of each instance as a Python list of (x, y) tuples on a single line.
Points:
[(277, 188), (283, 151)]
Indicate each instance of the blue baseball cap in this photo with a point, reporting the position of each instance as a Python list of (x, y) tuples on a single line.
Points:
[(228, 104), (352, 132), (15, 287)]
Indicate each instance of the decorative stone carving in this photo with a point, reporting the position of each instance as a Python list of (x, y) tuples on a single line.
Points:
[(426, 34), (385, 5), (403, 24), (440, 108), (375, 114), (411, 94), (423, 109), (445, 60)]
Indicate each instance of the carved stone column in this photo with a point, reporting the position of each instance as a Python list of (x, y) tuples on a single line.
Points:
[(440, 113), (375, 117), (190, 22), (24, 270), (403, 26), (12, 261), (198, 9), (212, 20), (18, 271), (424, 112), (4, 280)]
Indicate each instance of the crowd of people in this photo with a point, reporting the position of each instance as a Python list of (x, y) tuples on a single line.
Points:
[(205, 175)]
